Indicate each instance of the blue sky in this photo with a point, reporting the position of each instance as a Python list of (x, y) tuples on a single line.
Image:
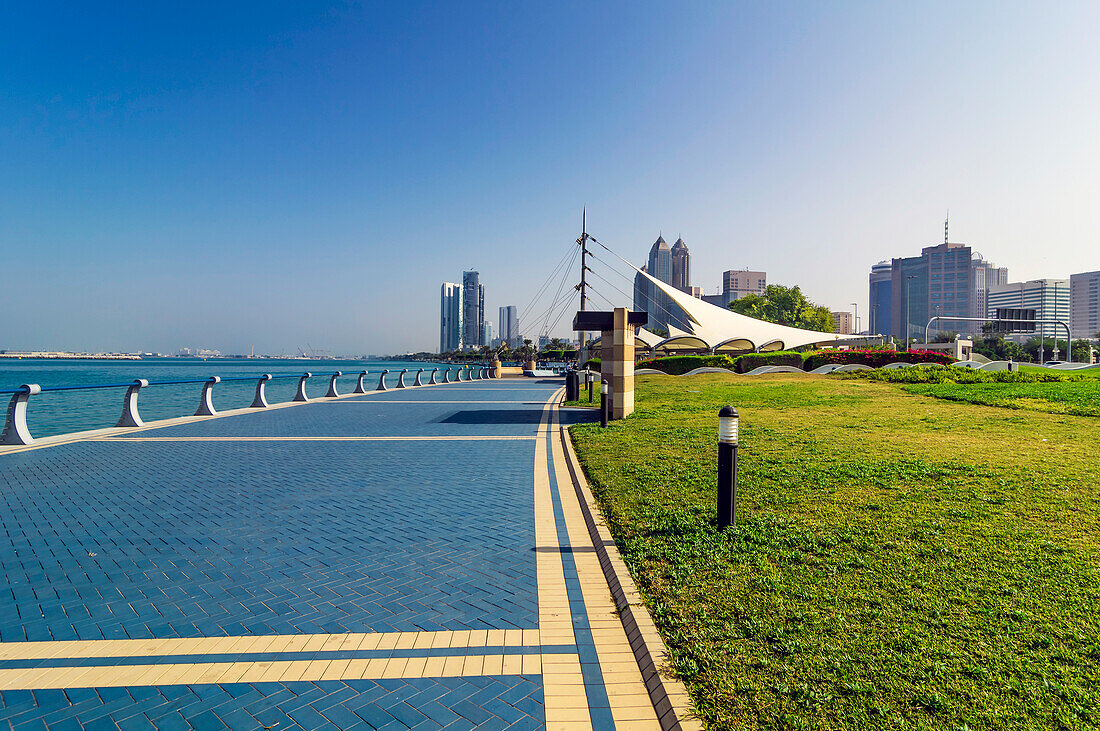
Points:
[(277, 174)]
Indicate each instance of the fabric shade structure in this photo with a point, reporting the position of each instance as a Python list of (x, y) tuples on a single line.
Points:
[(724, 331)]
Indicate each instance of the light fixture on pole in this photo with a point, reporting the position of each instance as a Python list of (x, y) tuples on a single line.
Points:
[(727, 467)]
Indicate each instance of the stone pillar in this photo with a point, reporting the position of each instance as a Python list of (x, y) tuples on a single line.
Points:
[(496, 368), (617, 364)]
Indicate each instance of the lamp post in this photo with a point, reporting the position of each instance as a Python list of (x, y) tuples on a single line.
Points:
[(727, 467)]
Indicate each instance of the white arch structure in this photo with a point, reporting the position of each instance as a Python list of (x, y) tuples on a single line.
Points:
[(724, 331)]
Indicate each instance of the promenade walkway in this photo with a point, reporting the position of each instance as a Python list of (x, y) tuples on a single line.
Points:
[(400, 559)]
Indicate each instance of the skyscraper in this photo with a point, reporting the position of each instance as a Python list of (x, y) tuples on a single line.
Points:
[(881, 288), (509, 326), (663, 266), (450, 317), (681, 266), (948, 280), (1084, 304), (473, 310)]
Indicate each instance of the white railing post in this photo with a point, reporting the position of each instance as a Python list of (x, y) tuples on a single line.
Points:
[(301, 395), (359, 383), (206, 399), (332, 392), (382, 381), (401, 378), (260, 402), (15, 426), (130, 415)]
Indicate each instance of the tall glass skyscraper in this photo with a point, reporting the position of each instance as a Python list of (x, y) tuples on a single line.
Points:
[(473, 310), (672, 266), (450, 317), (509, 326)]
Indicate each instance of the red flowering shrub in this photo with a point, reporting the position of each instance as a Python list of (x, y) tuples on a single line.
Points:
[(873, 358)]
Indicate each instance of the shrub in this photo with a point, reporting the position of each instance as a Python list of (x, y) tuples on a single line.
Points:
[(873, 358), (675, 365), (749, 361), (592, 364), (960, 375)]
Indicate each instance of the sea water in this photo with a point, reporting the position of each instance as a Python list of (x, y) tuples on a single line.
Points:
[(62, 412)]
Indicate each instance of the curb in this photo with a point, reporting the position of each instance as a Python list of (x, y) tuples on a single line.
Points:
[(669, 696)]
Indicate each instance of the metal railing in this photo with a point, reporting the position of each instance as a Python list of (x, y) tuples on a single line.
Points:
[(16, 431)]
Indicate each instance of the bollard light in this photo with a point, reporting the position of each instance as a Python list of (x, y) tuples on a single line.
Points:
[(727, 467), (727, 425), (604, 404)]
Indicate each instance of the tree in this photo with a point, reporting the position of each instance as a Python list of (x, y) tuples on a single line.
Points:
[(945, 337), (995, 347), (785, 306)]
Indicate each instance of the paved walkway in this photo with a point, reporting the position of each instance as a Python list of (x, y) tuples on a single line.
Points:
[(403, 559)]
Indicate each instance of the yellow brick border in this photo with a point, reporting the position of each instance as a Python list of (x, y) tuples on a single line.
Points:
[(669, 696)]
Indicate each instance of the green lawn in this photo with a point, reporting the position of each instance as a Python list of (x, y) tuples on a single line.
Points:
[(899, 561)]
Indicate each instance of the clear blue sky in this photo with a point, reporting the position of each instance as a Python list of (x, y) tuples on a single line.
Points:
[(228, 175)]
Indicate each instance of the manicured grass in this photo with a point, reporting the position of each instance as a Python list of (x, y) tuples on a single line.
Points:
[(899, 561), (1057, 392)]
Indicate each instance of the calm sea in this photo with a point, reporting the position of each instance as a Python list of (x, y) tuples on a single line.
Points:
[(69, 411)]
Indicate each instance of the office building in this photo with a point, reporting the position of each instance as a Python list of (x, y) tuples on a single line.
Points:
[(842, 323), (1084, 304), (473, 310), (948, 280), (487, 332), (1049, 298), (450, 317), (736, 283), (664, 266), (509, 327), (681, 266), (879, 299)]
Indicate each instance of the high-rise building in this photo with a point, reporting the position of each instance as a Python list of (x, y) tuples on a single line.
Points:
[(948, 280), (842, 322), (879, 300), (736, 283), (681, 266), (1049, 298), (1084, 304), (473, 310), (450, 317), (509, 326), (487, 332), (662, 265)]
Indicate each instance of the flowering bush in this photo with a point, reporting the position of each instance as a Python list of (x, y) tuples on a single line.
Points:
[(873, 358)]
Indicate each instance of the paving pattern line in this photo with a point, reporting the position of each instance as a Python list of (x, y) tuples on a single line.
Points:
[(668, 695), (283, 671), (457, 438), (613, 662), (251, 644)]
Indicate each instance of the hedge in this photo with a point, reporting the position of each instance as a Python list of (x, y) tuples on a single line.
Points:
[(749, 361), (675, 365), (873, 358)]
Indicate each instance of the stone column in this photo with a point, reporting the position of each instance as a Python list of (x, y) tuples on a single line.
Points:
[(496, 368), (617, 364)]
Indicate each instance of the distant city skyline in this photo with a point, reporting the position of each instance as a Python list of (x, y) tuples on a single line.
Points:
[(270, 176)]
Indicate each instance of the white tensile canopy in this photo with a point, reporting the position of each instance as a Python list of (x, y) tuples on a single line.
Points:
[(723, 331)]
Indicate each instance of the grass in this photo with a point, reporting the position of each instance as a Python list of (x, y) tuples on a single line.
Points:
[(899, 561), (1035, 390)]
